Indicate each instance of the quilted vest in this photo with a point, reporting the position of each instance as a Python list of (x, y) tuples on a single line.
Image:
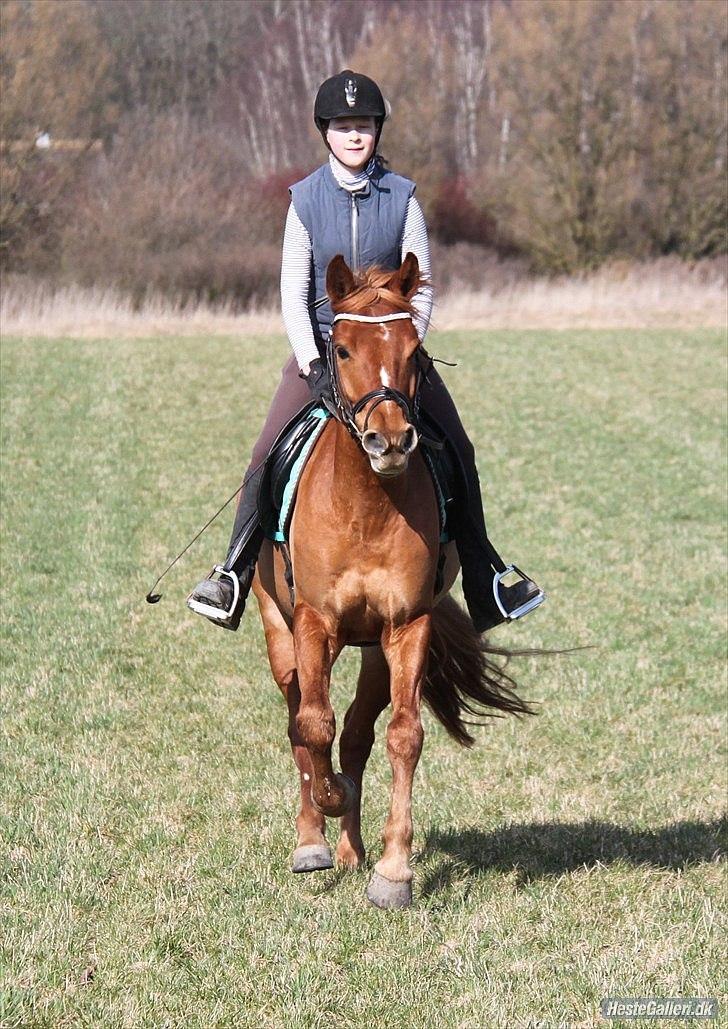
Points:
[(365, 227)]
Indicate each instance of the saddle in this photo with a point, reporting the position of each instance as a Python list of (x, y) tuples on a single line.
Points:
[(290, 452)]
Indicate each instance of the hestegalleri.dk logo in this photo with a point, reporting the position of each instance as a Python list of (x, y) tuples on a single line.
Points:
[(659, 1007)]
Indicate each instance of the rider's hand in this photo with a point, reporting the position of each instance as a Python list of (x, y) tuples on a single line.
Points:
[(319, 381)]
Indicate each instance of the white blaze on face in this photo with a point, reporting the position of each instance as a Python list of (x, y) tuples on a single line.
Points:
[(383, 374)]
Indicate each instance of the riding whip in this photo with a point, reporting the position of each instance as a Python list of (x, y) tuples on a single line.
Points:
[(154, 598)]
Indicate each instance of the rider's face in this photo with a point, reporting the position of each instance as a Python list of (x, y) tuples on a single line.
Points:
[(352, 140)]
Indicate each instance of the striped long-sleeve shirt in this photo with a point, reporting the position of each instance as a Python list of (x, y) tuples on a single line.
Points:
[(296, 272)]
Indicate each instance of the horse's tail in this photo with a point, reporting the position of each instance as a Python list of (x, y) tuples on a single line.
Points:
[(461, 679)]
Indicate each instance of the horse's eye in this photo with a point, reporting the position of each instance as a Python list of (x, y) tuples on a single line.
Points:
[(342, 352)]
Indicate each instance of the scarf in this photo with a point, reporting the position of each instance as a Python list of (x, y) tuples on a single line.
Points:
[(351, 180)]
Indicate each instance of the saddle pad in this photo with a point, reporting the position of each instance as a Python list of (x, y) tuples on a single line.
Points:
[(318, 417), (441, 472)]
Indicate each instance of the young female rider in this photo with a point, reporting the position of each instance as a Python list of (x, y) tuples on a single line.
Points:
[(353, 206)]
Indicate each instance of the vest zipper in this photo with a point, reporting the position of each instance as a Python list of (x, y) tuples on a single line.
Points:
[(354, 233)]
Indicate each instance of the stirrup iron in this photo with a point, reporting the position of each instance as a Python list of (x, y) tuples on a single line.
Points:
[(523, 609), (217, 614)]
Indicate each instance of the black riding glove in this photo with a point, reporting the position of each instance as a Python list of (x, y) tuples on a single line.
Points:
[(319, 380)]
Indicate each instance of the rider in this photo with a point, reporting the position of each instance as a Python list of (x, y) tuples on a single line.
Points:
[(353, 205)]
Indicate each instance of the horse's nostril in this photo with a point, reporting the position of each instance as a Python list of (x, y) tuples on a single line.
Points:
[(409, 440), (374, 443)]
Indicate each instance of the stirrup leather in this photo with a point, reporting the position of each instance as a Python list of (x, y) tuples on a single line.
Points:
[(522, 609), (217, 614)]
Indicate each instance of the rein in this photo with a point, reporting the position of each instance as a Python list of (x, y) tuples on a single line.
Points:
[(346, 411)]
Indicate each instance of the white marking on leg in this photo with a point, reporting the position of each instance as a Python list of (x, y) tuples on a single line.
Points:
[(306, 776)]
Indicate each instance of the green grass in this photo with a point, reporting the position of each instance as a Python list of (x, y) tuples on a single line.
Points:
[(148, 789)]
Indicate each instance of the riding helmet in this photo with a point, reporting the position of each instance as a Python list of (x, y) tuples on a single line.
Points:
[(349, 93)]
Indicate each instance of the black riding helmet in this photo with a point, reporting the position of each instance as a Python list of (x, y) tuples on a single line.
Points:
[(349, 93)]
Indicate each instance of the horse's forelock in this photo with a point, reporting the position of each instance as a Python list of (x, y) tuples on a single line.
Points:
[(371, 289)]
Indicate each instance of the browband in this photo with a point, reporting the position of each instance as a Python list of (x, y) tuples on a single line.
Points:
[(371, 317)]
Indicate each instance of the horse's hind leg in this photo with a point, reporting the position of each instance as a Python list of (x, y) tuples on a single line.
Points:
[(355, 745), (312, 850)]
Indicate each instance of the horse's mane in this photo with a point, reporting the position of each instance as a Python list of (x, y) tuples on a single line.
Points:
[(370, 289)]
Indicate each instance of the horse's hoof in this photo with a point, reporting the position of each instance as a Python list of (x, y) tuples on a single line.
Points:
[(384, 893), (349, 859), (312, 858), (333, 808), (349, 787)]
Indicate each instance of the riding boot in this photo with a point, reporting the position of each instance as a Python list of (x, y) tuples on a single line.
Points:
[(489, 601), (222, 600)]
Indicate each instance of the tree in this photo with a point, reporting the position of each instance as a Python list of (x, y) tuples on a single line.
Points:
[(54, 71)]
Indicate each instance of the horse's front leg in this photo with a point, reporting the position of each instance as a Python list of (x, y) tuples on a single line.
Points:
[(355, 745), (316, 650), (406, 649), (312, 850)]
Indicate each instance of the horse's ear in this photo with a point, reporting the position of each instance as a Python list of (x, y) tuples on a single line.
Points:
[(339, 279), (407, 280)]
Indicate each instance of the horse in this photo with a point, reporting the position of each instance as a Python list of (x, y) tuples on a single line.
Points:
[(364, 547)]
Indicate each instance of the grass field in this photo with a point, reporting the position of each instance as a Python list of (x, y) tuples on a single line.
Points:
[(149, 793)]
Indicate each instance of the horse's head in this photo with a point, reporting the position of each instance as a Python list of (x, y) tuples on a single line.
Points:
[(373, 359)]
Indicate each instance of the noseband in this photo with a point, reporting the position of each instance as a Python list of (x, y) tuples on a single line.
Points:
[(346, 412)]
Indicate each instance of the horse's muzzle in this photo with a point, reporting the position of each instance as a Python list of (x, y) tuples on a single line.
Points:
[(389, 452)]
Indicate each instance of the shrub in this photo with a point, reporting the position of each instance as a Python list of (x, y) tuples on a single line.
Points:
[(172, 209)]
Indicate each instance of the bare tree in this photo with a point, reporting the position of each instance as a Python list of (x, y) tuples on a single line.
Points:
[(470, 25)]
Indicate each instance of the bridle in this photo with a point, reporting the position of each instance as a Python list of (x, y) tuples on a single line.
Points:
[(345, 410)]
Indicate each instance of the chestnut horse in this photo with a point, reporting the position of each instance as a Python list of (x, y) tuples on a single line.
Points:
[(364, 548)]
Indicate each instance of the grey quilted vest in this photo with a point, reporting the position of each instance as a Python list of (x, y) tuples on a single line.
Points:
[(365, 227)]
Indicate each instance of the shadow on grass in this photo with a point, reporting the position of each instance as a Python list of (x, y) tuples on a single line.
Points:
[(536, 850)]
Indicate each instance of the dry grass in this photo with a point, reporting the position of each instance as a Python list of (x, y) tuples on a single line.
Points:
[(77, 312), (654, 295), (659, 294)]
